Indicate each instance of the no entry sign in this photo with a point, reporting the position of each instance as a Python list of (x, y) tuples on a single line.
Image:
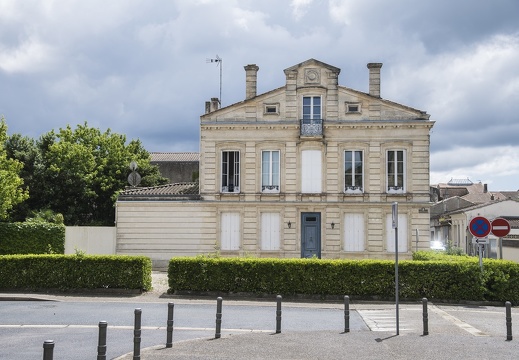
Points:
[(479, 227), (500, 227)]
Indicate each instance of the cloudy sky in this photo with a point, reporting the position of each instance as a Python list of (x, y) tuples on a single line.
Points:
[(139, 67)]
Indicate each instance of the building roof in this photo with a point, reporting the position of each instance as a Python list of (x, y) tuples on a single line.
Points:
[(178, 191), (175, 156)]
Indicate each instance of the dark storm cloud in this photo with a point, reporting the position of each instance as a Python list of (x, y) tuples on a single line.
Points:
[(140, 67)]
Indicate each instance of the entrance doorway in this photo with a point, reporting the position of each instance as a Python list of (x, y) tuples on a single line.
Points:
[(311, 235)]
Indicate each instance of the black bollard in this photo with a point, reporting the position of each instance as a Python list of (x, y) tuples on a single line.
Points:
[(48, 350), (218, 332), (101, 343), (278, 314), (425, 317), (508, 321), (169, 339), (346, 314), (137, 335)]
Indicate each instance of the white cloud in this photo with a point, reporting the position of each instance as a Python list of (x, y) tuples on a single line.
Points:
[(30, 56), (299, 8)]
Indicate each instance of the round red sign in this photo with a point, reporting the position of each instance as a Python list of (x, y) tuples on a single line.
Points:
[(500, 227), (479, 227)]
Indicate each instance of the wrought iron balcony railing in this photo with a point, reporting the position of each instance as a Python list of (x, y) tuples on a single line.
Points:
[(311, 127)]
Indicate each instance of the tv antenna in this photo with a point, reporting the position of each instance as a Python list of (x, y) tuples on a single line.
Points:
[(218, 60)]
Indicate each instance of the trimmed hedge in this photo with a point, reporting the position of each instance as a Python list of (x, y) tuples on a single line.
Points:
[(440, 280), (68, 272), (32, 238)]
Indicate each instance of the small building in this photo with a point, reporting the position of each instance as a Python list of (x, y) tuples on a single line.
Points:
[(177, 167), (309, 169)]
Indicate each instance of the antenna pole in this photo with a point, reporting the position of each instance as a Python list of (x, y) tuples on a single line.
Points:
[(219, 62)]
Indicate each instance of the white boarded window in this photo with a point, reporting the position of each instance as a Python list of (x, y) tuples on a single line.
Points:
[(230, 231), (354, 232), (270, 227), (311, 171), (402, 233)]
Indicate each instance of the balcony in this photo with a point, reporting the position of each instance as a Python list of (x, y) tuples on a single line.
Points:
[(312, 127)]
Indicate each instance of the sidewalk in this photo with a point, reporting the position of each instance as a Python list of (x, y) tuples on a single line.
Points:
[(333, 345)]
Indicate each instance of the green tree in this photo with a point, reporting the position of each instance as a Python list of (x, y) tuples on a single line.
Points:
[(80, 172), (11, 190)]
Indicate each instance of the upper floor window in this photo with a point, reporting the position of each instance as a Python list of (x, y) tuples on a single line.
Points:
[(312, 107), (396, 164), (270, 171), (271, 109), (353, 171), (353, 107), (230, 171)]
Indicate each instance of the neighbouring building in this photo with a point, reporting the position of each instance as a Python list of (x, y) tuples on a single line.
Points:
[(177, 167), (310, 169), (458, 202)]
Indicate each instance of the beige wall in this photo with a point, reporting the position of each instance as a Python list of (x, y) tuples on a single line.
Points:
[(162, 230), (93, 240)]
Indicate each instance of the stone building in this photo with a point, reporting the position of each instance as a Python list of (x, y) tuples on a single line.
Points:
[(177, 167), (310, 169)]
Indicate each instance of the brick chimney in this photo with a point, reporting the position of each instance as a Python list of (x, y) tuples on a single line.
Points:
[(374, 79), (251, 75)]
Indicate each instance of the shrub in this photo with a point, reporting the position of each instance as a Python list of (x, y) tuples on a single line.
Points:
[(32, 238), (65, 272), (451, 278)]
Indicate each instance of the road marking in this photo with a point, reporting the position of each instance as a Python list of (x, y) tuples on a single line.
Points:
[(382, 320), (460, 323)]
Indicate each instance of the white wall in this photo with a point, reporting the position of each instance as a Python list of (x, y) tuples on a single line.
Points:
[(93, 240)]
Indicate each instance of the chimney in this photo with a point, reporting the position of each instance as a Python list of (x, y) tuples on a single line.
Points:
[(374, 79), (251, 75), (212, 105)]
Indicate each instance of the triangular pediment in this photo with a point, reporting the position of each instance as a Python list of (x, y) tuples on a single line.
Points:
[(313, 62)]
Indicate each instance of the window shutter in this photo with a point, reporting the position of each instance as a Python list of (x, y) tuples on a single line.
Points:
[(230, 231), (354, 232), (311, 171), (402, 233), (270, 237)]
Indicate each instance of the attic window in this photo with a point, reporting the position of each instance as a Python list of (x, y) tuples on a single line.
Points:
[(352, 107), (271, 109)]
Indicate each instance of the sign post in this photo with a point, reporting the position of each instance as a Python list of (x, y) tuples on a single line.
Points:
[(394, 212), (479, 227)]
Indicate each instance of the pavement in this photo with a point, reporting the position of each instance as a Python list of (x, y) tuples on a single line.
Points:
[(470, 331)]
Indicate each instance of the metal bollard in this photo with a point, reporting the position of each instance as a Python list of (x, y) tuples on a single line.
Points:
[(169, 338), (137, 335), (48, 349), (425, 317), (218, 332), (278, 314), (101, 343), (508, 321), (346, 314)]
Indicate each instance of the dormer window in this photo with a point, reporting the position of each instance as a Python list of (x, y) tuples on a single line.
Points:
[(271, 109), (352, 108)]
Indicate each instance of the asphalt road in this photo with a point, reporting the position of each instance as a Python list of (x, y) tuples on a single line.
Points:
[(309, 330)]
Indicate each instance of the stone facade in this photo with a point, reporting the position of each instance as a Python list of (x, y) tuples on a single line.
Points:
[(310, 169)]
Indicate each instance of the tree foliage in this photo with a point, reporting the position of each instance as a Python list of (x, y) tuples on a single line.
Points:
[(79, 172), (11, 190)]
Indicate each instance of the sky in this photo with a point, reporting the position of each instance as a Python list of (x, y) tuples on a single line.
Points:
[(140, 67)]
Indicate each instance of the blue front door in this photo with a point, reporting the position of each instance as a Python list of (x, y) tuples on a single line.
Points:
[(311, 235)]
